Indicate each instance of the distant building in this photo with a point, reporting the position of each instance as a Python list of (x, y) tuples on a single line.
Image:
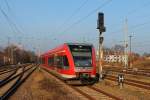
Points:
[(1, 58), (114, 58), (4, 59)]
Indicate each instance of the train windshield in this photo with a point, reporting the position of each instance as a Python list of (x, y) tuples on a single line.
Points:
[(82, 55)]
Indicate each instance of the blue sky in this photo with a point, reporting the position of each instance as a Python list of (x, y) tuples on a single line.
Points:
[(45, 24)]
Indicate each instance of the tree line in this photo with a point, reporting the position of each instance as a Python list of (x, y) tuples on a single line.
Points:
[(14, 54)]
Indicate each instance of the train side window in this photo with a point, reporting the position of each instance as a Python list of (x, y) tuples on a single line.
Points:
[(50, 61), (65, 62), (59, 62), (55, 61)]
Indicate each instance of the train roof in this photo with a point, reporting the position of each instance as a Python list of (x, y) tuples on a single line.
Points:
[(84, 44), (61, 46)]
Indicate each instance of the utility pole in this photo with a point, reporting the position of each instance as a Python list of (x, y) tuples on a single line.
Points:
[(101, 28), (125, 44), (4, 59), (130, 38), (12, 55), (8, 52)]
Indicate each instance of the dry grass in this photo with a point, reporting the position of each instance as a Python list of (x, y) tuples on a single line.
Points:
[(126, 92), (39, 87), (57, 91), (142, 64)]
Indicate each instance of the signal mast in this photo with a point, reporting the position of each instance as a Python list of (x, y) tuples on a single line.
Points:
[(101, 28)]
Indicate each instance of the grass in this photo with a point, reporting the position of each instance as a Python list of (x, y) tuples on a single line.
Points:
[(142, 64), (57, 91)]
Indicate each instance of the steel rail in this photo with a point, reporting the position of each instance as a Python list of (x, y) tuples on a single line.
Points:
[(81, 92), (105, 93), (131, 80), (19, 81), (6, 78), (130, 83), (12, 78)]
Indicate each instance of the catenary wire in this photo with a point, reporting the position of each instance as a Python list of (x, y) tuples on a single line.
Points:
[(89, 14)]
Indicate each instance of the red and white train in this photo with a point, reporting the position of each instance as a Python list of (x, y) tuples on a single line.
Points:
[(72, 61)]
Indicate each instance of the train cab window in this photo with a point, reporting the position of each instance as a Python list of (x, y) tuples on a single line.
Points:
[(82, 55)]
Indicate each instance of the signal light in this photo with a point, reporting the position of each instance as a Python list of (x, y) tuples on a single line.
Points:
[(100, 22), (101, 19)]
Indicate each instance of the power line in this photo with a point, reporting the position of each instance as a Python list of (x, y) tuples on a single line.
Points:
[(8, 7), (139, 25), (20, 30), (13, 25), (74, 13), (134, 26), (135, 10), (8, 20), (85, 17)]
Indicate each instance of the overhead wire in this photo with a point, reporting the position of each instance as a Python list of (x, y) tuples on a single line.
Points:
[(11, 23), (8, 20), (19, 29), (133, 12), (134, 26), (89, 14), (73, 14), (8, 7), (13, 15), (137, 9), (83, 18)]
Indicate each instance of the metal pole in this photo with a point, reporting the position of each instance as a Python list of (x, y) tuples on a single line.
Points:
[(130, 51), (8, 50), (12, 56), (125, 44), (130, 43), (4, 59), (101, 27), (99, 57)]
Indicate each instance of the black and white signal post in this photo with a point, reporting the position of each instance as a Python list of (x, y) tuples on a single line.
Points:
[(101, 28)]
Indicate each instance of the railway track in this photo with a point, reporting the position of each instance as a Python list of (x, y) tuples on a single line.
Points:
[(139, 84), (10, 68), (131, 72), (7, 75), (10, 84), (2, 70), (7, 71), (94, 93), (88, 91)]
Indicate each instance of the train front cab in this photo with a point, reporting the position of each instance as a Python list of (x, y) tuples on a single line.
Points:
[(82, 60)]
